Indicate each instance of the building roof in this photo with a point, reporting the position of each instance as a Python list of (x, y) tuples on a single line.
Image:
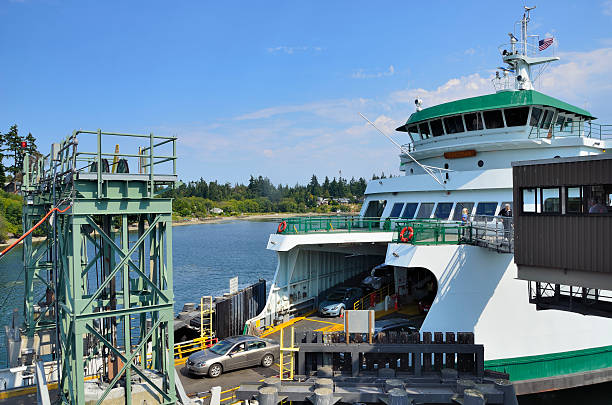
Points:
[(502, 99)]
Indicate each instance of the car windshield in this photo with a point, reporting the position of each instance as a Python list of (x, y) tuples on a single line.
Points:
[(336, 296), (222, 347)]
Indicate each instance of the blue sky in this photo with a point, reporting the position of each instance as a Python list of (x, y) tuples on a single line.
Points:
[(274, 88)]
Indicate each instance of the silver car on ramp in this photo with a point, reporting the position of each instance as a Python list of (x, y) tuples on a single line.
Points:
[(233, 353)]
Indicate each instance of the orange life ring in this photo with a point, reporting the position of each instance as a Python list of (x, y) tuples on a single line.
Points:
[(410, 234), (282, 226)]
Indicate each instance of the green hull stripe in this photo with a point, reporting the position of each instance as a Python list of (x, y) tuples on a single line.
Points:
[(548, 365)]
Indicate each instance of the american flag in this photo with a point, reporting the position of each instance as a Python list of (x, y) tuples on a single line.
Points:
[(545, 43)]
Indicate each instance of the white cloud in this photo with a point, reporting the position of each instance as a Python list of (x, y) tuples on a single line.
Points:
[(453, 89), (607, 7), (293, 49), (363, 74), (337, 109), (469, 51)]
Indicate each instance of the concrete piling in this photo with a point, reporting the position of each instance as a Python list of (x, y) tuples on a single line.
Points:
[(398, 396), (323, 396), (325, 372), (267, 396), (386, 372), (393, 383), (324, 383), (463, 385)]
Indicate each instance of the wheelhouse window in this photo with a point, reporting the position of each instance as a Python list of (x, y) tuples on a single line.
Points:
[(516, 117), (454, 124), (413, 132), (443, 210), (547, 119), (493, 119), (536, 113), (410, 210), (486, 208), (436, 127), (424, 129), (396, 210), (473, 122), (459, 209), (425, 210)]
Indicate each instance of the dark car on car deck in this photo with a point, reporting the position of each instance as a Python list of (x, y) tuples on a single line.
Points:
[(233, 353)]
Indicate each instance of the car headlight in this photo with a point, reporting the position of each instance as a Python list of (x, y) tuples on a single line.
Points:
[(201, 364)]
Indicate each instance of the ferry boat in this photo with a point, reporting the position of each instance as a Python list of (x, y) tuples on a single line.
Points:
[(457, 156)]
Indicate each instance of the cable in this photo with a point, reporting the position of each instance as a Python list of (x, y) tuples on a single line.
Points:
[(33, 228)]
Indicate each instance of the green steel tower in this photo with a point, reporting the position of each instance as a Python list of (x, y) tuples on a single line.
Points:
[(102, 278)]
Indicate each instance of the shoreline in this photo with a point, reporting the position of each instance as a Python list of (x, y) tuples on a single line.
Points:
[(208, 220)]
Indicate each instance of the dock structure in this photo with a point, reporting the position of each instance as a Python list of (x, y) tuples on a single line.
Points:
[(396, 368), (107, 299)]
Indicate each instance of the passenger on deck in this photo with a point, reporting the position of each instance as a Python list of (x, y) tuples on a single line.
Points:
[(506, 213), (464, 221)]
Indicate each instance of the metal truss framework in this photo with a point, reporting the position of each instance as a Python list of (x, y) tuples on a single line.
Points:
[(108, 290), (582, 300)]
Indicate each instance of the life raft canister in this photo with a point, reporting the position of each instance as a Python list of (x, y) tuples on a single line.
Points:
[(282, 226), (410, 234)]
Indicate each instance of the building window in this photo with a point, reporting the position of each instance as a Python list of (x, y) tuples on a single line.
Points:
[(516, 117), (473, 122), (536, 113), (598, 198), (459, 209), (424, 129), (396, 210), (551, 200), (436, 127), (454, 124), (443, 210), (409, 210), (493, 119), (530, 200), (425, 210), (486, 208), (574, 203)]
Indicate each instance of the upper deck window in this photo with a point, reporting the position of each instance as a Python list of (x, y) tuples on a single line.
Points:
[(436, 127), (409, 210), (516, 117), (536, 113), (486, 208), (454, 124), (473, 122), (396, 210), (425, 210), (443, 210), (493, 119), (424, 129)]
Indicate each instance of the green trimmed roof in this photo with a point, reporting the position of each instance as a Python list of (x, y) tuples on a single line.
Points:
[(504, 99)]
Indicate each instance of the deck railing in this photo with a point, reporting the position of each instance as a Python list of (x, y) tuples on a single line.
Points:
[(340, 223), (582, 128), (432, 232)]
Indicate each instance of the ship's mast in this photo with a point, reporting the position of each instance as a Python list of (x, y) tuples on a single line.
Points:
[(523, 58)]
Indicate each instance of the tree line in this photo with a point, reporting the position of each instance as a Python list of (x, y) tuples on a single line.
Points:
[(198, 198)]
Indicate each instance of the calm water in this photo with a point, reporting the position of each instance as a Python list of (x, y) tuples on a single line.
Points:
[(205, 258)]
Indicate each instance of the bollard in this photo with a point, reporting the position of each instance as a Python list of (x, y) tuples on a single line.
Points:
[(386, 372), (215, 395), (472, 396), (507, 388), (393, 383), (268, 396), (398, 396), (323, 396), (462, 385), (325, 372), (324, 383), (272, 382)]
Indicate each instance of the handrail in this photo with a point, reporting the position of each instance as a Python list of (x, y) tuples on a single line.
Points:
[(338, 223), (374, 297), (185, 349)]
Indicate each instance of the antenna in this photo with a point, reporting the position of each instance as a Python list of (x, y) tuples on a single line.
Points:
[(428, 169)]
